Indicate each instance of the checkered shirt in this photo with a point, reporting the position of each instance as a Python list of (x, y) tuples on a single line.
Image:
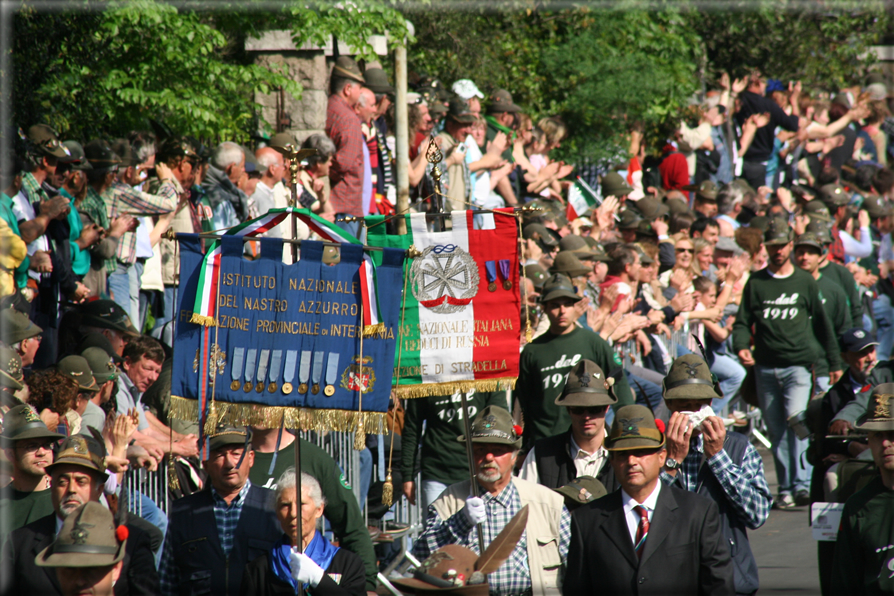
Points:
[(122, 199), (745, 486), (95, 206), (346, 174), (34, 191), (514, 576), (227, 518)]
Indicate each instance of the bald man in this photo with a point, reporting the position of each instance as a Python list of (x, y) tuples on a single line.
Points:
[(273, 169)]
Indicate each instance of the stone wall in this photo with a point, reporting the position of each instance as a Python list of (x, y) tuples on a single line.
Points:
[(308, 65)]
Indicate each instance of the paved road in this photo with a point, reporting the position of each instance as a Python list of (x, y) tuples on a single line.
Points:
[(784, 547)]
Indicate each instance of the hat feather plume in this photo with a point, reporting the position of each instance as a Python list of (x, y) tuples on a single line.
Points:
[(503, 545)]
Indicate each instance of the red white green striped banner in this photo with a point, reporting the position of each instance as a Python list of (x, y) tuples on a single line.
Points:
[(205, 308)]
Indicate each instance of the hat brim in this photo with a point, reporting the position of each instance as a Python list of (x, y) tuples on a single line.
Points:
[(572, 272), (420, 587), (617, 192), (816, 245), (382, 89), (94, 321), (586, 397), (556, 294), (692, 391), (863, 346), (48, 557), (36, 432), (493, 441), (865, 422), (226, 440), (631, 443), (76, 461), (777, 241), (463, 119), (7, 381)]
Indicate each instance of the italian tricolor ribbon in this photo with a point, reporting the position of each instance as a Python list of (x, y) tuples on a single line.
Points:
[(205, 310)]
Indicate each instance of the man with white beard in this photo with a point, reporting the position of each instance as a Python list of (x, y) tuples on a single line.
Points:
[(452, 519)]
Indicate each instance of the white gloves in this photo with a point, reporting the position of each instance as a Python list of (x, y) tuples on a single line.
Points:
[(475, 510), (304, 570)]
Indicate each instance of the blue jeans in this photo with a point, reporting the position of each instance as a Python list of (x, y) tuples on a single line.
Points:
[(168, 315), (366, 463), (124, 285), (731, 375), (431, 490), (784, 392), (884, 318)]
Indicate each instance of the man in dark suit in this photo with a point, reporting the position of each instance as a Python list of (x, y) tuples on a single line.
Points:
[(214, 533), (646, 538), (77, 477)]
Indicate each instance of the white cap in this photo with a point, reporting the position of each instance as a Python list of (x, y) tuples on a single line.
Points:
[(466, 89)]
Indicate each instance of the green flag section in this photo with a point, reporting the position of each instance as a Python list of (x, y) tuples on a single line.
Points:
[(581, 198), (460, 324)]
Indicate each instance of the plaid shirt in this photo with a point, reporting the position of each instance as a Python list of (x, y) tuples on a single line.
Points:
[(122, 199), (227, 518), (94, 206), (346, 174), (745, 486), (513, 576), (34, 191)]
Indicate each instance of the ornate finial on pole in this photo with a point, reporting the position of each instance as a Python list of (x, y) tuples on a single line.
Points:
[(434, 156), (293, 156)]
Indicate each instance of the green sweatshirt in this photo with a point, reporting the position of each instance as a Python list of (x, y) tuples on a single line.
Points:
[(837, 308), (845, 279), (443, 458), (543, 370), (788, 321), (342, 509), (864, 551)]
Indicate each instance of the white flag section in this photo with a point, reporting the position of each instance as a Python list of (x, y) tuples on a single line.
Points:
[(445, 272)]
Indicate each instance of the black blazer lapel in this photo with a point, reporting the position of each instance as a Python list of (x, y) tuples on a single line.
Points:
[(663, 519), (615, 525), (44, 535)]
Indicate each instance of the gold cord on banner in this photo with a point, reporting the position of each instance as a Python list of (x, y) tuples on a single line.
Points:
[(529, 335), (388, 488), (360, 433)]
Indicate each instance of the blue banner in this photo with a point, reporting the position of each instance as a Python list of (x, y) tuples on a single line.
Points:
[(287, 336)]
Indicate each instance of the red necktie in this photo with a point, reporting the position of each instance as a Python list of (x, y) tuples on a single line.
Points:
[(642, 530)]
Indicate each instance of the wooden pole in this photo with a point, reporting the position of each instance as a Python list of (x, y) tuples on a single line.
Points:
[(402, 158), (468, 430)]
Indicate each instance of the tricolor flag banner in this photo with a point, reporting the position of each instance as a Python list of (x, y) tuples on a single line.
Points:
[(581, 197), (460, 327), (204, 312)]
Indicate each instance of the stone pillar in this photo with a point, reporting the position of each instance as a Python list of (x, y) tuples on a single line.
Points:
[(308, 65)]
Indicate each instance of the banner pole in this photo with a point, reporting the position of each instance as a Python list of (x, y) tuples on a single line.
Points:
[(468, 430)]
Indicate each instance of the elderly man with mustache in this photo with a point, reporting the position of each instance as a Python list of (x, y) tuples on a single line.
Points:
[(537, 563), (77, 477)]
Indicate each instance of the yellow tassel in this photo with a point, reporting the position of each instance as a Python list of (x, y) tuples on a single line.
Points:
[(211, 420), (529, 334), (359, 436), (388, 491), (173, 481)]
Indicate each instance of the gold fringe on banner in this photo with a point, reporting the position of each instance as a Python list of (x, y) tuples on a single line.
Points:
[(430, 389), (202, 320), (360, 435), (272, 416), (370, 330)]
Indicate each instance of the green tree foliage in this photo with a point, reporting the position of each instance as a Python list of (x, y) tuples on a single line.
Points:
[(825, 49), (598, 69), (105, 69)]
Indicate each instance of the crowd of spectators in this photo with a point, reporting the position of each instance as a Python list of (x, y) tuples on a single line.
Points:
[(761, 229)]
